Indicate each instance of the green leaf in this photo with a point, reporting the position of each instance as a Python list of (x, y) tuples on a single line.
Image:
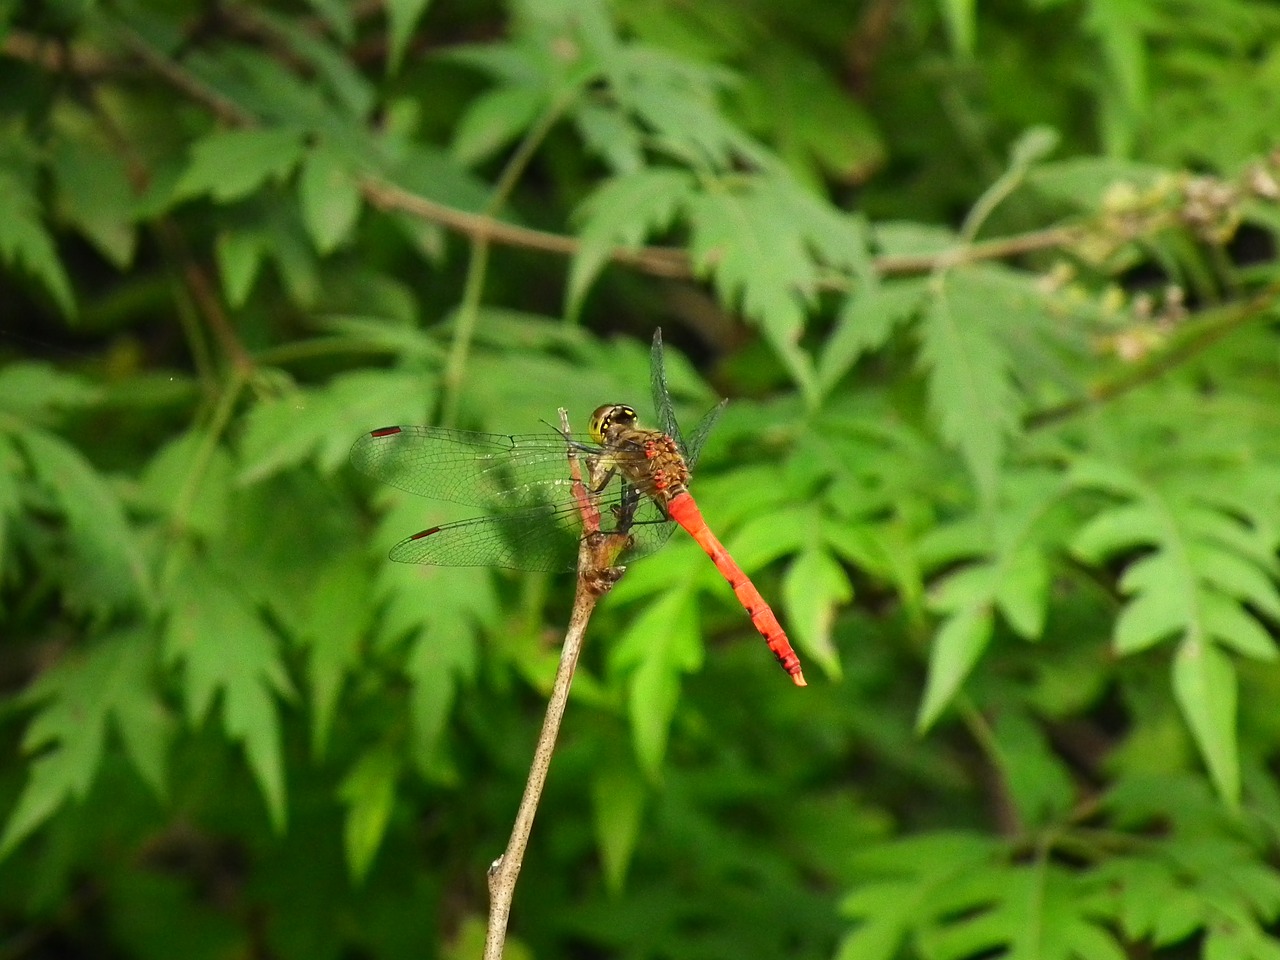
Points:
[(1038, 783), (660, 644), (94, 193), (971, 391), (869, 317), (609, 135), (189, 481), (617, 802), (494, 119), (369, 792), (1151, 616), (224, 648), (1108, 532), (330, 197), (762, 244), (231, 164), (337, 620), (109, 569), (961, 24), (814, 587), (25, 243), (1022, 591), (402, 19), (444, 612), (1204, 681), (957, 646), (240, 255), (619, 215), (79, 697), (35, 390)]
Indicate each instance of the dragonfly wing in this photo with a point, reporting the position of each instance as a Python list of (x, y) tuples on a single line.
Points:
[(661, 395), (692, 447), (500, 471), (700, 433), (540, 539)]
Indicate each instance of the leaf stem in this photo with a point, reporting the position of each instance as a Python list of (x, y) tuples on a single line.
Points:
[(478, 263)]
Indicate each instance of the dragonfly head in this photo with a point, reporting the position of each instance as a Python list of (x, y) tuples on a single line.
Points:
[(608, 419)]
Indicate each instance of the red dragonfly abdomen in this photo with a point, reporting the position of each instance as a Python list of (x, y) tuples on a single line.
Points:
[(682, 509)]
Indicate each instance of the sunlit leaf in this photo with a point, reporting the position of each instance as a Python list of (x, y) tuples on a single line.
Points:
[(1205, 683)]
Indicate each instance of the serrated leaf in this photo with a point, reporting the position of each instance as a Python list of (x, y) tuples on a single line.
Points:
[(80, 698), (402, 19), (619, 215), (224, 647), (814, 587), (110, 570), (608, 134), (369, 793), (494, 119), (956, 649), (971, 391), (761, 245), (868, 318), (444, 612), (231, 164), (660, 644), (330, 198), (1204, 682), (617, 802)]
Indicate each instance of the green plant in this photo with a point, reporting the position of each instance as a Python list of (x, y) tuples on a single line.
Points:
[(1002, 452)]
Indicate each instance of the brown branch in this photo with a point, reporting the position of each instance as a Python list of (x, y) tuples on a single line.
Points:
[(671, 262), (597, 574)]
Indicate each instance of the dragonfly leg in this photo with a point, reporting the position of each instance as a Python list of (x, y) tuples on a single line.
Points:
[(599, 473)]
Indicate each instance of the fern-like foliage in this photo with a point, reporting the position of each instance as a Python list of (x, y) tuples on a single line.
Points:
[(1199, 571)]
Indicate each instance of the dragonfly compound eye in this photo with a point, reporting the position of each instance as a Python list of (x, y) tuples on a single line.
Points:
[(608, 418)]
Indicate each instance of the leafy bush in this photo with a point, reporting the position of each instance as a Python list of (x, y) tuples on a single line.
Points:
[(994, 298)]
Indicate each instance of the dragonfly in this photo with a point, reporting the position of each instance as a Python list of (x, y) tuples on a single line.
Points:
[(639, 476)]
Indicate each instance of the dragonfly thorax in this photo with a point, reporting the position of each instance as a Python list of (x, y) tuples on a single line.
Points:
[(650, 460)]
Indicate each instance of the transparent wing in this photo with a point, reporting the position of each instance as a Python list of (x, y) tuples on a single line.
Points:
[(692, 448), (522, 480), (544, 539), (500, 471)]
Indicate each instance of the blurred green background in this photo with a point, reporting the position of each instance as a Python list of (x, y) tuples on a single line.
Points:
[(992, 292)]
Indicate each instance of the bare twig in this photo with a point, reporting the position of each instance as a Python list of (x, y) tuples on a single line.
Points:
[(596, 576)]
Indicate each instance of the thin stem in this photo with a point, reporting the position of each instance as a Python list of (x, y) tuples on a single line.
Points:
[(478, 263), (506, 869), (596, 576), (1220, 322)]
